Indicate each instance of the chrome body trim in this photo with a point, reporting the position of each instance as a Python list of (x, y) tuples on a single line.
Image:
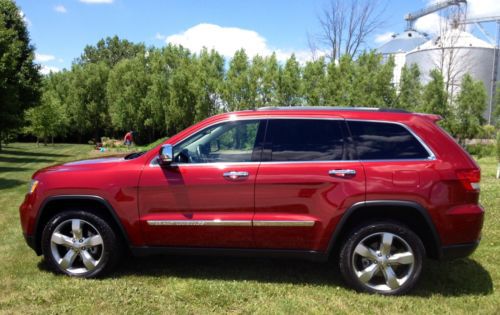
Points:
[(249, 223), (200, 222), (262, 223)]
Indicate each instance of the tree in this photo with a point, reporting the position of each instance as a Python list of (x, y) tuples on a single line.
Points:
[(19, 76), (110, 50), (88, 106), (372, 82), (410, 88), (237, 84), (314, 82), (471, 104), (47, 120), (435, 99), (126, 92), (346, 26), (209, 77), (290, 84)]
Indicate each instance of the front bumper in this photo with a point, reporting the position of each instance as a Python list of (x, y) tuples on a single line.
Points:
[(30, 240)]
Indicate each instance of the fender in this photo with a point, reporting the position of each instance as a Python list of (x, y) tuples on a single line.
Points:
[(377, 203), (100, 200)]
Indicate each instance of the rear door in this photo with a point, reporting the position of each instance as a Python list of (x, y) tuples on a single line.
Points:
[(305, 182)]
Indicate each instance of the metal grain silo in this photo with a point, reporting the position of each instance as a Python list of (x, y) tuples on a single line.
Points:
[(398, 46), (455, 53)]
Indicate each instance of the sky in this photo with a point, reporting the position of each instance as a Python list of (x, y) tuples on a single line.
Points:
[(60, 29)]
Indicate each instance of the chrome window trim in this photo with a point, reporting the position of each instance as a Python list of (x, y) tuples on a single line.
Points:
[(431, 156)]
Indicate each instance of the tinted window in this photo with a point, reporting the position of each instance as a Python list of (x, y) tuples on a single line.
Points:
[(225, 142), (305, 140), (385, 141)]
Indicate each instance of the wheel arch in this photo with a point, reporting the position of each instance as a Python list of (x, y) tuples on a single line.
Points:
[(409, 213), (91, 203)]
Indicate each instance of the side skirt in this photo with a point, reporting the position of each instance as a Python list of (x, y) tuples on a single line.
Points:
[(274, 253)]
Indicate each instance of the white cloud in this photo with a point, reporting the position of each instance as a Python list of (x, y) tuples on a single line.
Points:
[(383, 38), (60, 9), (483, 8), (227, 40), (97, 1), (48, 69), (25, 19), (159, 36), (431, 24), (43, 57)]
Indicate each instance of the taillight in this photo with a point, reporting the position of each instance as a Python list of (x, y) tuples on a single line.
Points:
[(470, 179)]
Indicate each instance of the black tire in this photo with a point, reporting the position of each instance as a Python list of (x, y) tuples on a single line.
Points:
[(103, 256), (368, 269)]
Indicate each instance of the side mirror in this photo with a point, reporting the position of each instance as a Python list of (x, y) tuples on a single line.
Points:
[(166, 155)]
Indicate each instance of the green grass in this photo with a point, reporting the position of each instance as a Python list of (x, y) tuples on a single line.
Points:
[(175, 284)]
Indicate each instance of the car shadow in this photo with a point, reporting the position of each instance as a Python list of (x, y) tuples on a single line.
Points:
[(29, 153), (455, 278), (6, 183), (17, 159)]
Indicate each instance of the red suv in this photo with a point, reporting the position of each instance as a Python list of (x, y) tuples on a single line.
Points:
[(377, 189)]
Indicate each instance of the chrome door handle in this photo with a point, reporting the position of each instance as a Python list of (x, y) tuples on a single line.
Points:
[(234, 175), (342, 173)]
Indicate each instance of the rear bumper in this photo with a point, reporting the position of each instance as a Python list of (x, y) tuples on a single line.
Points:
[(458, 251)]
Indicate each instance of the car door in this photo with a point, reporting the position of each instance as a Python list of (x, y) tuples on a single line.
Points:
[(305, 182), (206, 198)]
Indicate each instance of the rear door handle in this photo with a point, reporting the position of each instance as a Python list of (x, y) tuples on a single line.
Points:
[(235, 175), (342, 173)]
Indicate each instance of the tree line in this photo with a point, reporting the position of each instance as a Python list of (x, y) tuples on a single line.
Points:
[(117, 85)]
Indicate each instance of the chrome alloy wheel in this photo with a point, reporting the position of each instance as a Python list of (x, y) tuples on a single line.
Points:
[(383, 261), (76, 246)]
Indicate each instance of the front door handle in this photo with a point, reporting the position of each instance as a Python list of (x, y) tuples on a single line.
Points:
[(235, 175), (342, 173)]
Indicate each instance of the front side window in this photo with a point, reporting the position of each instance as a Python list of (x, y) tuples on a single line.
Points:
[(305, 139), (385, 141), (226, 142)]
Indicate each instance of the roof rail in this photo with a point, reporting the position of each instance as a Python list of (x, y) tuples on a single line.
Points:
[(369, 109)]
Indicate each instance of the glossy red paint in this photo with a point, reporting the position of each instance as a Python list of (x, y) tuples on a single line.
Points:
[(138, 190)]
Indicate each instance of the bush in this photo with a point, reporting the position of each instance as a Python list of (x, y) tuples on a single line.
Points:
[(481, 150), (498, 146)]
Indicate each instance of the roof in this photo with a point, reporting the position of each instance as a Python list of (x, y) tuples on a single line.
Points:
[(455, 38), (403, 42)]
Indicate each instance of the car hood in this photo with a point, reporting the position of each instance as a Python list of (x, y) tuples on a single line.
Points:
[(89, 164)]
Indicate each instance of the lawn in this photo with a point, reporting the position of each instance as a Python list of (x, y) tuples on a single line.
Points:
[(176, 284)]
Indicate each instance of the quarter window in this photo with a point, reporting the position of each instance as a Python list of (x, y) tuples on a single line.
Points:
[(305, 140), (385, 141)]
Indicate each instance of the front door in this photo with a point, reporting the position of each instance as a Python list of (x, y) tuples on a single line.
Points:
[(206, 198), (306, 180)]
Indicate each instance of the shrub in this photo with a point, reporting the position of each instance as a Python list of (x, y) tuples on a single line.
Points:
[(481, 150)]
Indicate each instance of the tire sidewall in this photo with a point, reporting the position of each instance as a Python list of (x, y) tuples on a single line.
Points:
[(107, 234), (346, 256)]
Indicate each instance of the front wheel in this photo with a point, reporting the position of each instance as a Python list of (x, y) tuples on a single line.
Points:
[(80, 244), (382, 257)]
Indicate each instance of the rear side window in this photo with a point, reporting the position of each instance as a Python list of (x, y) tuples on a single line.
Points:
[(385, 141), (305, 140)]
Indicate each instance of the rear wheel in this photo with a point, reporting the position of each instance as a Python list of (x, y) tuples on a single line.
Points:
[(382, 257), (80, 244)]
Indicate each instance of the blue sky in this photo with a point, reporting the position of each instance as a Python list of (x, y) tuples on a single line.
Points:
[(60, 29)]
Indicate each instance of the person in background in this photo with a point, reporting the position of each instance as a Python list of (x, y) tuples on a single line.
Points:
[(129, 138)]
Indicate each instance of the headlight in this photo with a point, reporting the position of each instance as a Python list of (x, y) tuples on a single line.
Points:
[(32, 186)]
